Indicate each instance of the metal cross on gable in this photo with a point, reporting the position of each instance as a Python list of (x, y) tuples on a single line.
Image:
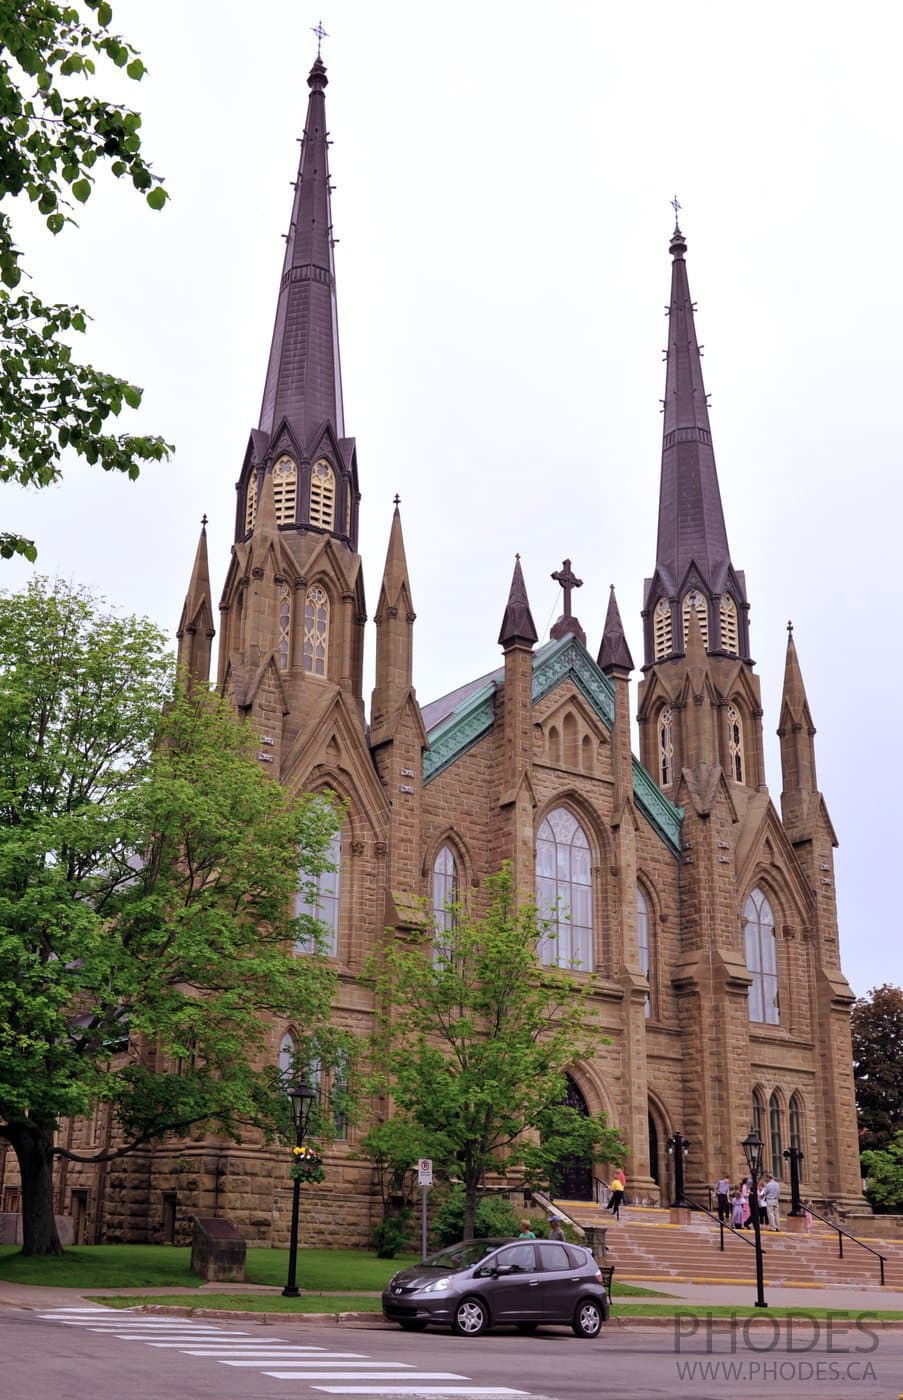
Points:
[(569, 581), (321, 35)]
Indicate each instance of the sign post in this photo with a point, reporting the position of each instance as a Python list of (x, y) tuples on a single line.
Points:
[(425, 1177)]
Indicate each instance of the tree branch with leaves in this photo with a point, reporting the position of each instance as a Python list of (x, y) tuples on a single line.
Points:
[(53, 142)]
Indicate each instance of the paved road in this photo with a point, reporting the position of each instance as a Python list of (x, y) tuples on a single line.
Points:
[(91, 1354)]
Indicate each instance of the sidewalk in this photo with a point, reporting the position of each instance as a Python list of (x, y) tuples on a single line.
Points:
[(847, 1300)]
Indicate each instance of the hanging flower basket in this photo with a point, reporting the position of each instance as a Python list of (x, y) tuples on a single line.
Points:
[(307, 1165)]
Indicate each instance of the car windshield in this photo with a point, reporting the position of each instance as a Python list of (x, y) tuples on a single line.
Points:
[(461, 1256)]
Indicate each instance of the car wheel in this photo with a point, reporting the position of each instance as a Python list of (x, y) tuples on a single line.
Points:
[(527, 1326), (413, 1324), (471, 1317), (587, 1318)]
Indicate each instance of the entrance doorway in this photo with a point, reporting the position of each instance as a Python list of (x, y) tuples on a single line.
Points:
[(654, 1166), (572, 1177)]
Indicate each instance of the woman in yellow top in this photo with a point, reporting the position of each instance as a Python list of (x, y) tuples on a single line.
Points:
[(616, 1188)]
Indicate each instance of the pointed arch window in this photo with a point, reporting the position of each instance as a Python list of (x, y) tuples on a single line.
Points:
[(730, 632), (322, 495), (251, 500), (758, 1113), (287, 1050), (694, 600), (666, 747), (316, 630), (662, 629), (735, 743), (761, 959), (319, 899), (444, 898), (285, 626), (775, 1117), (348, 508), (644, 945), (285, 490), (564, 891), (795, 1122)]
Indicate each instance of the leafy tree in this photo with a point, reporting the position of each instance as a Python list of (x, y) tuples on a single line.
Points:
[(884, 1173), (148, 868), (53, 140), (877, 1031), (473, 1045)]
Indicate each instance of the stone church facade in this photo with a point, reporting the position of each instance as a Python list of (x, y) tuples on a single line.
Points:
[(707, 915)]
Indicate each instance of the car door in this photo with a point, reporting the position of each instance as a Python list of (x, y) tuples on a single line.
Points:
[(514, 1288), (561, 1281)]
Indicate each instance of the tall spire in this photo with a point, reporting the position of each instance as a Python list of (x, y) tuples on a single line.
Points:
[(304, 381), (614, 653), (692, 549)]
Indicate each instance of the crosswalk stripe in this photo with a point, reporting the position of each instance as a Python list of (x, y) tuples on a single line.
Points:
[(337, 1365), (376, 1376)]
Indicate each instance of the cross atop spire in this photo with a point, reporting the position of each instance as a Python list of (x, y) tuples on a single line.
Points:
[(320, 33), (676, 206)]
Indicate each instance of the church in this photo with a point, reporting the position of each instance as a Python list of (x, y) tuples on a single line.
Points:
[(706, 915)]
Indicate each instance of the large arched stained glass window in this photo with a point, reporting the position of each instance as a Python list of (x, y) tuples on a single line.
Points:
[(643, 942), (445, 894), (762, 959), (564, 891), (320, 900)]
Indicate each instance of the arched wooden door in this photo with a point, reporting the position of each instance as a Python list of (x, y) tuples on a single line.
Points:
[(572, 1176)]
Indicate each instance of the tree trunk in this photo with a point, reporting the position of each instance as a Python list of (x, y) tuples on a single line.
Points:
[(33, 1146), (470, 1209)]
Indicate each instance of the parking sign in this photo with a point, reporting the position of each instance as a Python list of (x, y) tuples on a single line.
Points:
[(425, 1171)]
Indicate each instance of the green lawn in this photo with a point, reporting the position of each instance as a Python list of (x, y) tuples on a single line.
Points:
[(342, 1271)]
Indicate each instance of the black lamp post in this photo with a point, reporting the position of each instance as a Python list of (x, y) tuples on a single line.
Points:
[(752, 1147), (794, 1155), (301, 1097), (678, 1147)]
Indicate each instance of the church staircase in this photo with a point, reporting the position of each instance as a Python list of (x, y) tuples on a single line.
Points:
[(646, 1248)]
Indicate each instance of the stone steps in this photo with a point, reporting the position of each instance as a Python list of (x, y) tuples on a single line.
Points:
[(645, 1245)]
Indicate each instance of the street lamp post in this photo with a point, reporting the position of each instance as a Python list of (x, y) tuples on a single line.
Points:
[(678, 1147), (301, 1097), (794, 1155), (752, 1147)]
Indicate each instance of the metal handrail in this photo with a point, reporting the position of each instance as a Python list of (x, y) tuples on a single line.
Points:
[(845, 1234), (697, 1205)]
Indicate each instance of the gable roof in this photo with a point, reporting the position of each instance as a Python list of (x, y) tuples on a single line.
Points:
[(458, 720)]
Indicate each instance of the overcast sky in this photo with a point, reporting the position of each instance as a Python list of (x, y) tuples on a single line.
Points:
[(502, 173)]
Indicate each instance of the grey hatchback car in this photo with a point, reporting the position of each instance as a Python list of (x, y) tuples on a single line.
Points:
[(480, 1283)]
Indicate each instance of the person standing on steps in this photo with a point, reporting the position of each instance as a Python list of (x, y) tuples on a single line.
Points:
[(722, 1195), (772, 1197)]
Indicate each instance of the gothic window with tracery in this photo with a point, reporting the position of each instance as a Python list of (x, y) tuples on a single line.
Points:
[(287, 1057), (662, 629), (730, 633), (644, 945), (251, 500), (777, 1137), (316, 630), (694, 601), (735, 743), (322, 495), (285, 626), (762, 959), (666, 747), (795, 1116), (445, 895), (319, 898), (285, 490), (564, 894)]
